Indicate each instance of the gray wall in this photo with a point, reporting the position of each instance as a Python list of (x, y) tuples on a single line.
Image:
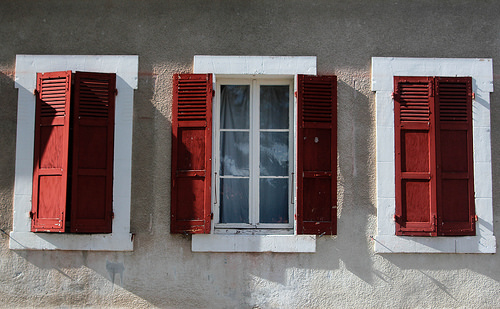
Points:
[(162, 271)]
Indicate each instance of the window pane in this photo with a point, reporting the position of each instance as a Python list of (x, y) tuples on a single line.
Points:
[(234, 102), (274, 105), (273, 200), (274, 153), (234, 200), (234, 147)]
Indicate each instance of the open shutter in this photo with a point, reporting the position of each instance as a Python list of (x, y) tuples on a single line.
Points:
[(415, 156), (317, 155), (191, 153), (93, 131), (456, 215), (50, 173)]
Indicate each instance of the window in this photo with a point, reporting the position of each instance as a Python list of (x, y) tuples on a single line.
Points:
[(253, 150), (73, 156), (95, 227), (433, 155), (433, 138), (236, 154)]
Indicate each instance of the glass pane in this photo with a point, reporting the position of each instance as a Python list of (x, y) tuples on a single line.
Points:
[(234, 107), (273, 200), (274, 153), (234, 200), (234, 147), (274, 105)]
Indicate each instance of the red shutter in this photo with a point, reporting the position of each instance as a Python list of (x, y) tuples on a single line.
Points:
[(191, 153), (317, 155), (93, 133), (415, 156), (50, 174), (454, 156)]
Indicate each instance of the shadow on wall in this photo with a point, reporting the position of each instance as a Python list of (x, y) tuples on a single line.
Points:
[(8, 116)]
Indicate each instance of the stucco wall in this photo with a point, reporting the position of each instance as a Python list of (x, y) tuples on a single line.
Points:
[(162, 271)]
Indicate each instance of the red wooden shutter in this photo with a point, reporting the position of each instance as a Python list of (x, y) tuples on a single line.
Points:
[(415, 156), (191, 153), (456, 215), (317, 155), (50, 174), (93, 133)]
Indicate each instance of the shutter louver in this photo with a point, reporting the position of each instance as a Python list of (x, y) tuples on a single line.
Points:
[(456, 211), (191, 153), (415, 149), (50, 173), (317, 155), (93, 134)]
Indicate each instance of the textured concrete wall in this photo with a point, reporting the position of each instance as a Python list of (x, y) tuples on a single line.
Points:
[(162, 271)]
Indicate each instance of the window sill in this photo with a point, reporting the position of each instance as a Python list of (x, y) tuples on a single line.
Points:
[(86, 242), (254, 243), (462, 244)]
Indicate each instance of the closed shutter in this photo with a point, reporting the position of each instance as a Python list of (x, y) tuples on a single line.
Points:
[(456, 212), (415, 156), (191, 153), (50, 173), (317, 155), (93, 133)]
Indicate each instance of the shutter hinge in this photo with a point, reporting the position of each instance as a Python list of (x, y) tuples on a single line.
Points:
[(475, 218), (112, 215), (32, 214), (473, 96), (295, 94), (213, 93), (211, 216), (116, 92)]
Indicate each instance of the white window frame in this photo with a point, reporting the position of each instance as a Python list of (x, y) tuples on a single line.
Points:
[(383, 71), (254, 227), (255, 67), (126, 69)]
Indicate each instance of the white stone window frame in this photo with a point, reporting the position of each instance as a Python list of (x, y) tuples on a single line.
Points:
[(126, 69), (383, 71), (261, 66)]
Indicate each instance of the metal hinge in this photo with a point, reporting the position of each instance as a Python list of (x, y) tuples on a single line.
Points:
[(32, 214), (211, 216)]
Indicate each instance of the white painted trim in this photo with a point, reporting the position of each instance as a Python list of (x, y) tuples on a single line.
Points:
[(253, 65), (383, 71), (126, 69), (253, 243)]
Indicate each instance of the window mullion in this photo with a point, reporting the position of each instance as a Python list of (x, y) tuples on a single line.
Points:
[(254, 154)]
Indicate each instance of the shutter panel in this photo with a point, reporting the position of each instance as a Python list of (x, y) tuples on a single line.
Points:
[(415, 156), (50, 173), (456, 215), (317, 155), (191, 153), (93, 133)]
